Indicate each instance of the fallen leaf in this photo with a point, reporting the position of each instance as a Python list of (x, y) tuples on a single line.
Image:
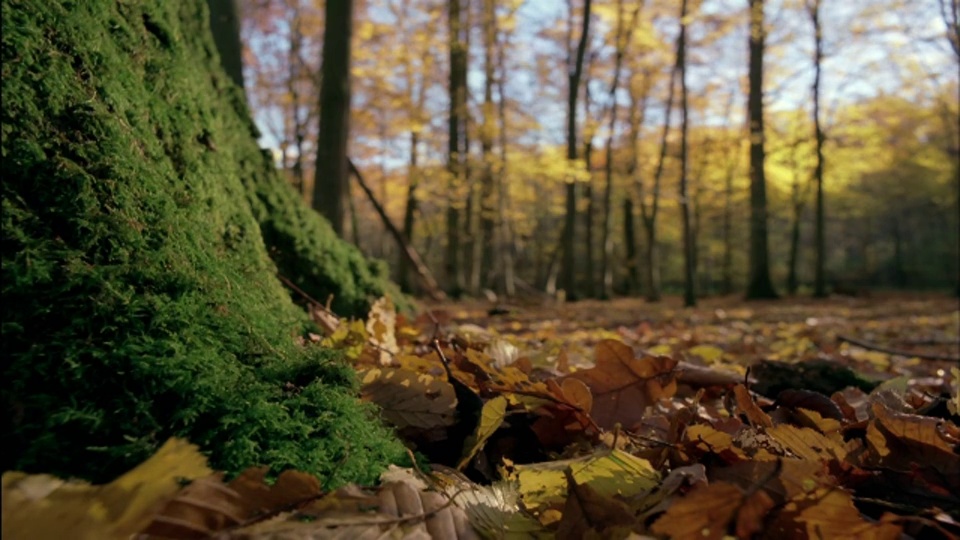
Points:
[(751, 410), (491, 417), (609, 472), (41, 506), (705, 513), (408, 398), (587, 513), (623, 386)]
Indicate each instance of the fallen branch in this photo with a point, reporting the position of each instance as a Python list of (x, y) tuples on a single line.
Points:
[(429, 283), (908, 354)]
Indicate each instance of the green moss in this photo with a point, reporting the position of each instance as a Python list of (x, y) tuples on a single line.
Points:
[(139, 298)]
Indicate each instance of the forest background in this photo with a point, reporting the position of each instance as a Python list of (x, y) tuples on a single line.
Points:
[(860, 99)]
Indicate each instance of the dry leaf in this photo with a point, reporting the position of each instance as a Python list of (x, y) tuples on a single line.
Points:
[(623, 386), (588, 513), (409, 399), (381, 329), (40, 506), (491, 417), (753, 412), (705, 513)]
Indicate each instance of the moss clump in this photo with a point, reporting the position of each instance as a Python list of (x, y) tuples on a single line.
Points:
[(139, 298)]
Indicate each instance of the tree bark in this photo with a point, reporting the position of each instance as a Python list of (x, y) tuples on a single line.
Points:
[(487, 185), (819, 279), (568, 274), (623, 34), (330, 185), (293, 86), (648, 214), (409, 213), (225, 26), (455, 146), (759, 284), (689, 294), (505, 242)]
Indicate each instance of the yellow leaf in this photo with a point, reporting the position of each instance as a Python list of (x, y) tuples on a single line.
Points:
[(709, 353), (41, 506), (491, 417), (608, 472)]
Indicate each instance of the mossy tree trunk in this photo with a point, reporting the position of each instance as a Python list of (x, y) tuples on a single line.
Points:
[(143, 232)]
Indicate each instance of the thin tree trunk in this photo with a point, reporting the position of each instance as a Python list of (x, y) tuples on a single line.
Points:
[(732, 162), (455, 147), (293, 86), (623, 42), (759, 284), (330, 186), (429, 283), (727, 263), (950, 13), (636, 119), (471, 225), (689, 294), (792, 280), (630, 244), (589, 218), (649, 214), (820, 279), (409, 213), (505, 242), (487, 186), (568, 274)]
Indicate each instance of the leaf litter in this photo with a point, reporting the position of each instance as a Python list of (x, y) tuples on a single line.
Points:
[(600, 420)]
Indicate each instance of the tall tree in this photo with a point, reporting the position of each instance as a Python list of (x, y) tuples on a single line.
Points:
[(950, 13), (798, 198), (225, 26), (622, 39), (487, 132), (819, 278), (689, 295), (759, 284), (331, 182), (636, 116), (294, 80), (417, 81), (505, 241), (649, 212), (568, 263), (456, 151)]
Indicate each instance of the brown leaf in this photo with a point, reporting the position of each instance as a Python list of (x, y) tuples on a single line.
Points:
[(705, 513), (577, 393), (409, 399), (753, 412), (901, 441), (587, 513), (199, 510), (806, 443), (623, 386), (752, 514), (835, 516), (290, 489)]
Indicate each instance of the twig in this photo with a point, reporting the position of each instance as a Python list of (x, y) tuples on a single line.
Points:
[(907, 354), (306, 296)]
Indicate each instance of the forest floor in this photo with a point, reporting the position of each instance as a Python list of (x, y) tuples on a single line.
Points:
[(789, 329), (795, 418)]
